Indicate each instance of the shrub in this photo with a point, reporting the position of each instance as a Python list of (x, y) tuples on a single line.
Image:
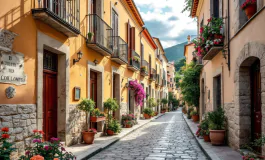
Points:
[(86, 105), (148, 111), (204, 125), (48, 150), (217, 119), (151, 102), (111, 104), (194, 113), (5, 146), (115, 126), (190, 109)]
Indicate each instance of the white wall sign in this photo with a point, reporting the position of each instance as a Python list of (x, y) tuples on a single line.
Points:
[(12, 68)]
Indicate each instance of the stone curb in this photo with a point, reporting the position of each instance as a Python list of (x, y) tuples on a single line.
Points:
[(199, 143), (119, 138)]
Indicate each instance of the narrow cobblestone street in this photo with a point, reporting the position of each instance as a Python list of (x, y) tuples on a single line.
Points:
[(166, 138)]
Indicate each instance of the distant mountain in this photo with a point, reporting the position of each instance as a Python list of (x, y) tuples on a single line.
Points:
[(176, 52)]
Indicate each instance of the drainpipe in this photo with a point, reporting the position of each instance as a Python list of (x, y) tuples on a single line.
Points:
[(228, 35)]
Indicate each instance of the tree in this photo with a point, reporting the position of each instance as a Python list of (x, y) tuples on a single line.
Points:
[(179, 64), (190, 85), (187, 6)]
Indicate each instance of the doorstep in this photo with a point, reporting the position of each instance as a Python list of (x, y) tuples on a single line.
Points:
[(84, 151), (213, 152)]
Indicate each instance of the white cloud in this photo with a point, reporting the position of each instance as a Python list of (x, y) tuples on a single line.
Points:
[(161, 11)]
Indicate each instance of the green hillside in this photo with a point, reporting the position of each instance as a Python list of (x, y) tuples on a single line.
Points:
[(176, 52)]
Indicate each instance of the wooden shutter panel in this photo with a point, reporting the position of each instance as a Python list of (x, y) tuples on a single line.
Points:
[(132, 31), (129, 40), (220, 8), (211, 8)]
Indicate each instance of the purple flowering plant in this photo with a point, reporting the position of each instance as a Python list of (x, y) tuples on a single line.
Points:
[(48, 150), (139, 92)]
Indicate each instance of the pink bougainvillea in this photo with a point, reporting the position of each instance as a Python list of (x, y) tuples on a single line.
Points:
[(139, 92)]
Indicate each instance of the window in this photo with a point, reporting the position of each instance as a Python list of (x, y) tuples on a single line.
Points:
[(215, 8), (217, 92), (170, 79), (115, 23)]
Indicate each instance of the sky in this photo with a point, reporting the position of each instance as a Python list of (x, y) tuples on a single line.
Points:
[(164, 20)]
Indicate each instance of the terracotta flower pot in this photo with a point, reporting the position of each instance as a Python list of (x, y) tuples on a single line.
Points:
[(110, 132), (206, 138), (88, 137), (146, 116), (217, 137), (128, 126), (250, 10), (195, 118)]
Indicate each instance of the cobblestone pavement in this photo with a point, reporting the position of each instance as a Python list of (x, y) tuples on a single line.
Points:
[(166, 138)]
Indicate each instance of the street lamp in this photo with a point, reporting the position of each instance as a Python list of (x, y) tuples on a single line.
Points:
[(79, 56)]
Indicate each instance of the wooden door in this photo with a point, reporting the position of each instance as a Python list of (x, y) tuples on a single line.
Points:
[(256, 100), (49, 95), (218, 91), (114, 92), (93, 92)]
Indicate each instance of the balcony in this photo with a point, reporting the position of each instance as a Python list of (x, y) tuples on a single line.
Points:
[(60, 15), (134, 64), (120, 50), (152, 75), (100, 36), (214, 50), (198, 61), (144, 68)]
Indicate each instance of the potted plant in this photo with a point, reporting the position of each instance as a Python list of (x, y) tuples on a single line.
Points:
[(204, 132), (151, 103), (144, 69), (86, 105), (90, 139), (110, 105), (184, 110), (114, 127), (164, 102), (97, 116), (136, 58), (148, 112), (195, 116), (90, 36), (216, 126), (128, 124), (190, 109), (250, 7)]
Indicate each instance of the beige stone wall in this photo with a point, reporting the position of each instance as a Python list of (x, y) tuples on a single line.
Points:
[(21, 121)]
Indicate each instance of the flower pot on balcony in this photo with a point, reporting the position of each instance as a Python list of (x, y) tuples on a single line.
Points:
[(195, 118), (217, 137), (206, 138), (97, 119), (110, 132), (146, 116), (88, 137), (250, 10)]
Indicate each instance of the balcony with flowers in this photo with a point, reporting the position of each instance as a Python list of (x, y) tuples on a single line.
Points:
[(211, 39)]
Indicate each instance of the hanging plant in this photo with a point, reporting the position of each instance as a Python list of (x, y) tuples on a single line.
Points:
[(139, 92)]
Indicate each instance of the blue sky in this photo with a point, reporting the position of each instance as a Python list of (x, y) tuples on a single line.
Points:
[(164, 20)]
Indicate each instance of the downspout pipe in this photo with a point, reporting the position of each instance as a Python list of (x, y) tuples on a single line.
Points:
[(228, 35)]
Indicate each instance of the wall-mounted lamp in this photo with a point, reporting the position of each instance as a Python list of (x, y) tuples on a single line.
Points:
[(79, 56), (115, 3), (95, 61)]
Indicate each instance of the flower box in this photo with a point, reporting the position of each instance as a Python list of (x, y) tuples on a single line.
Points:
[(97, 119)]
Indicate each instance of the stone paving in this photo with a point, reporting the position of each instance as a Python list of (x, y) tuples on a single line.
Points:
[(166, 138)]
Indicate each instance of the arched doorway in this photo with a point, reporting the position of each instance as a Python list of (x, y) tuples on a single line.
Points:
[(249, 87)]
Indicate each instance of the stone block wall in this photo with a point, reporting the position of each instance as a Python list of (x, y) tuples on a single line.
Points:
[(21, 121), (75, 125)]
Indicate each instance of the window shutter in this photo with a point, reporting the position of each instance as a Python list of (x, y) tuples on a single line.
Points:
[(128, 40), (220, 8), (132, 31), (211, 8)]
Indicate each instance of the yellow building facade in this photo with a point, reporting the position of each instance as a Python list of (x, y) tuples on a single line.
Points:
[(55, 54)]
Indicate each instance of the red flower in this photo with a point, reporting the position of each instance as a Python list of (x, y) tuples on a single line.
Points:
[(41, 132), (5, 136), (5, 129), (35, 131), (209, 20)]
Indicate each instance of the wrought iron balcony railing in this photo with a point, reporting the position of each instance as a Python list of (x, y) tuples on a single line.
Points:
[(134, 64), (120, 50), (62, 15), (144, 68), (100, 36), (153, 74)]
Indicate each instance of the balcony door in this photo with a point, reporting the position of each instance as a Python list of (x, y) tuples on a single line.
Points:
[(93, 7), (115, 27), (93, 91)]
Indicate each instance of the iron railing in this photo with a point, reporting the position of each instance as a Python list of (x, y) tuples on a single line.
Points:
[(100, 32), (120, 49), (66, 10), (145, 67), (135, 59), (153, 74)]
